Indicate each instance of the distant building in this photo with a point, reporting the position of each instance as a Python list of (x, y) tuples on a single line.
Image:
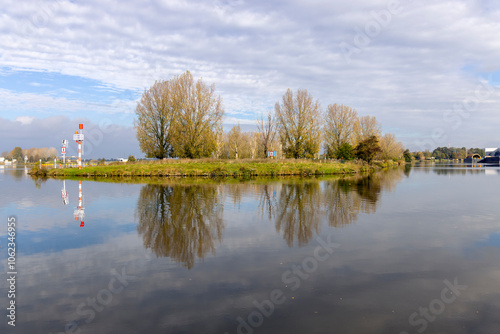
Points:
[(492, 152), (2, 159)]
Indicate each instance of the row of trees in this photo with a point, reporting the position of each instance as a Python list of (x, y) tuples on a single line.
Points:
[(33, 154), (444, 153), (302, 127), (183, 118)]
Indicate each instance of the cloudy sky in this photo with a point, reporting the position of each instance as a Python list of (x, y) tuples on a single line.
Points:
[(428, 70)]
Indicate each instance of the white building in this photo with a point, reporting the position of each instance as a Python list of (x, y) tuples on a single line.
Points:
[(492, 152)]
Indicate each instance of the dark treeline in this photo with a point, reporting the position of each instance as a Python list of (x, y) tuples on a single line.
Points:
[(444, 153), (33, 154)]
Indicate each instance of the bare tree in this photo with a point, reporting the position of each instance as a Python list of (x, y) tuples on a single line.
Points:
[(340, 126), (391, 147), (254, 144), (34, 154), (367, 126), (267, 131), (155, 117), (219, 142), (298, 119), (236, 140)]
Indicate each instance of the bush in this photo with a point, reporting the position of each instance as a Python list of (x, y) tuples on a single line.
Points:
[(367, 149), (131, 158), (36, 170), (407, 155), (345, 152)]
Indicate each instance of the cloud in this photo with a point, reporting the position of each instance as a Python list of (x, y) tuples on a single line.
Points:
[(412, 68), (25, 120), (102, 139)]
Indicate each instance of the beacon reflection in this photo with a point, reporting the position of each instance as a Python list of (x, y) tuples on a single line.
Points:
[(79, 212)]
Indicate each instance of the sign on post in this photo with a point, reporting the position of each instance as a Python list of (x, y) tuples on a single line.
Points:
[(272, 154), (63, 149), (78, 136)]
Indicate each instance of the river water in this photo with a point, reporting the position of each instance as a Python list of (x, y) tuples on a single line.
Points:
[(409, 250)]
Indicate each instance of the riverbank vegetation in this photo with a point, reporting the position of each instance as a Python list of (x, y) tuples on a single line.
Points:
[(216, 168)]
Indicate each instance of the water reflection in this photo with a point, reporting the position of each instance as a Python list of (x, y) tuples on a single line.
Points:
[(297, 212), (298, 207), (342, 204), (184, 222), (180, 222), (389, 266), (64, 194), (458, 171), (80, 209)]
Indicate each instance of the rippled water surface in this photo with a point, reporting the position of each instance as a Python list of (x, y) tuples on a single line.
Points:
[(409, 250)]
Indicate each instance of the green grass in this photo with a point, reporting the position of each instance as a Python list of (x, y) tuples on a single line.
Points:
[(220, 168)]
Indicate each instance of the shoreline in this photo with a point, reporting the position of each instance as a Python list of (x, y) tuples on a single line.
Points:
[(218, 168)]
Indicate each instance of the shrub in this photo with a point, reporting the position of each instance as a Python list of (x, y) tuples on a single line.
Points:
[(367, 149), (345, 152)]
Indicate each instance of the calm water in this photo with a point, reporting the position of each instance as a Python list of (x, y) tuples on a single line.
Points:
[(405, 251)]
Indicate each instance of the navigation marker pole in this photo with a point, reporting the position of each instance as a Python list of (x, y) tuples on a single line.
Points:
[(79, 154), (78, 137), (63, 150)]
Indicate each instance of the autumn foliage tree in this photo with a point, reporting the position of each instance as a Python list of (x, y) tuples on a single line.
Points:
[(198, 115), (298, 118), (267, 131), (236, 140), (391, 148), (155, 120), (340, 128), (17, 153), (180, 117), (367, 126)]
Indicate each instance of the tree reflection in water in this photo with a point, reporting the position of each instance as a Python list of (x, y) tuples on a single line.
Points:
[(185, 222), (297, 212), (180, 221), (297, 206)]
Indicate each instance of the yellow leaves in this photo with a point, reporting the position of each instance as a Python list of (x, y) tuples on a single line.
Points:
[(298, 119), (179, 117)]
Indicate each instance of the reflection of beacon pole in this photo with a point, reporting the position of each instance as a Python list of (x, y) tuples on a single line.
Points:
[(64, 194), (79, 211)]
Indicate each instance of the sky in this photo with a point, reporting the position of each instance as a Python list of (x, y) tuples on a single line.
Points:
[(427, 70)]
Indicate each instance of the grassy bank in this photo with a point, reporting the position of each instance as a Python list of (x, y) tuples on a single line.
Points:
[(218, 168)]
